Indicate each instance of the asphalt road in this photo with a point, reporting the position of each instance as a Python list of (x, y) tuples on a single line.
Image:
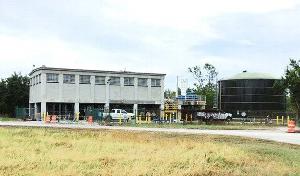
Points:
[(278, 135)]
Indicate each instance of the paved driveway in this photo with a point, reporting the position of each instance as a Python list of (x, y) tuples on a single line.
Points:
[(278, 135)]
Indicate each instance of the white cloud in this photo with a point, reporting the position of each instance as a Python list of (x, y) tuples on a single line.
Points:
[(155, 36)]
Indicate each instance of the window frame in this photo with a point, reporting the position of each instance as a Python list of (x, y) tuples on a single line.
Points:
[(99, 82), (154, 80), (143, 85), (83, 82), (129, 83), (115, 83), (69, 80), (54, 80)]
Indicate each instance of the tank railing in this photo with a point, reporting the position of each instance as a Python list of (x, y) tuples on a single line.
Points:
[(191, 98)]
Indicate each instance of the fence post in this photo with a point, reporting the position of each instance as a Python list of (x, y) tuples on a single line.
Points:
[(140, 119), (282, 118), (277, 120), (288, 119), (166, 117)]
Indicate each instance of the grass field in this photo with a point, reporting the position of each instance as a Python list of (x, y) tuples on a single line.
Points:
[(44, 151), (230, 126), (8, 119)]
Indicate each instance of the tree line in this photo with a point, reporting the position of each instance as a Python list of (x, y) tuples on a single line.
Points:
[(14, 92)]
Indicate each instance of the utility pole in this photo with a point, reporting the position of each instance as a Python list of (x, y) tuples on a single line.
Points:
[(177, 86)]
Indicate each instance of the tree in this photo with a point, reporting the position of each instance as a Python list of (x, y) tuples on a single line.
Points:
[(14, 92), (169, 94), (290, 83), (3, 95), (206, 82)]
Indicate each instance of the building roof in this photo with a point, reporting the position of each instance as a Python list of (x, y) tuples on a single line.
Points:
[(251, 75), (94, 71)]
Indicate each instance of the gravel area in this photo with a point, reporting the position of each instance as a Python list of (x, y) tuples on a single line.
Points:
[(278, 135)]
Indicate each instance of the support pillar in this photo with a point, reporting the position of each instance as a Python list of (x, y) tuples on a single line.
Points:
[(162, 110), (135, 110), (107, 94), (35, 111), (76, 108), (43, 108)]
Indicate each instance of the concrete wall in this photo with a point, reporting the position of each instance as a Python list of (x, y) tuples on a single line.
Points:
[(91, 93)]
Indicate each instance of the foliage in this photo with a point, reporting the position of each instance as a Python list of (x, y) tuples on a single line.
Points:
[(290, 82), (169, 94), (14, 91), (206, 82)]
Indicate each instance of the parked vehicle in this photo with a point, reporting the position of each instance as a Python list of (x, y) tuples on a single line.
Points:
[(213, 115), (116, 114)]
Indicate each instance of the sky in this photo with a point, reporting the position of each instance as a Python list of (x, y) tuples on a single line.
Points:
[(160, 36)]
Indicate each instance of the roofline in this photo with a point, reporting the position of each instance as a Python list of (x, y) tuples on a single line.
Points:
[(94, 71), (228, 79)]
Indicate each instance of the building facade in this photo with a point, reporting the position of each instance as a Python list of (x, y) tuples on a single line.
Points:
[(250, 93), (62, 91)]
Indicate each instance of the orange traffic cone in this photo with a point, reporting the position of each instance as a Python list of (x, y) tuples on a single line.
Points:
[(90, 119), (291, 126)]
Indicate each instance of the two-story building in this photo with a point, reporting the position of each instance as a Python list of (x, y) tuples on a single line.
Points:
[(62, 91)]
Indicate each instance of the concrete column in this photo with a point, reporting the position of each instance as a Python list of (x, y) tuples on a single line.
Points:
[(93, 89), (35, 109), (162, 99), (136, 89), (162, 89), (149, 88), (107, 93), (43, 107), (60, 87), (77, 99), (76, 107), (43, 87), (161, 110), (135, 110), (122, 88)]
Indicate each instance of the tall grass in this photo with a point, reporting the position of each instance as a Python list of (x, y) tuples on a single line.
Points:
[(38, 151)]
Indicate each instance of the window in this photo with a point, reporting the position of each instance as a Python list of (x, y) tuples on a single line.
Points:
[(30, 82), (52, 78), (85, 79), (115, 81), (100, 80), (128, 81), (69, 79), (155, 82), (142, 82)]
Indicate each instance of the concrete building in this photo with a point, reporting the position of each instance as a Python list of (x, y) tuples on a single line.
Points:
[(62, 91)]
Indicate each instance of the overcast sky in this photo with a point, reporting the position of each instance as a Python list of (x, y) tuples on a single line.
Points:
[(164, 36)]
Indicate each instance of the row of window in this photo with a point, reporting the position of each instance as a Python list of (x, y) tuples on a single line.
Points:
[(100, 80), (35, 80)]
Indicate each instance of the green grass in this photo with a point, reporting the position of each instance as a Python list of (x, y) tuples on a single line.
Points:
[(46, 151), (230, 126), (8, 119)]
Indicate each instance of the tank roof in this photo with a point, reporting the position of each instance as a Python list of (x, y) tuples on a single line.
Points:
[(251, 75)]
